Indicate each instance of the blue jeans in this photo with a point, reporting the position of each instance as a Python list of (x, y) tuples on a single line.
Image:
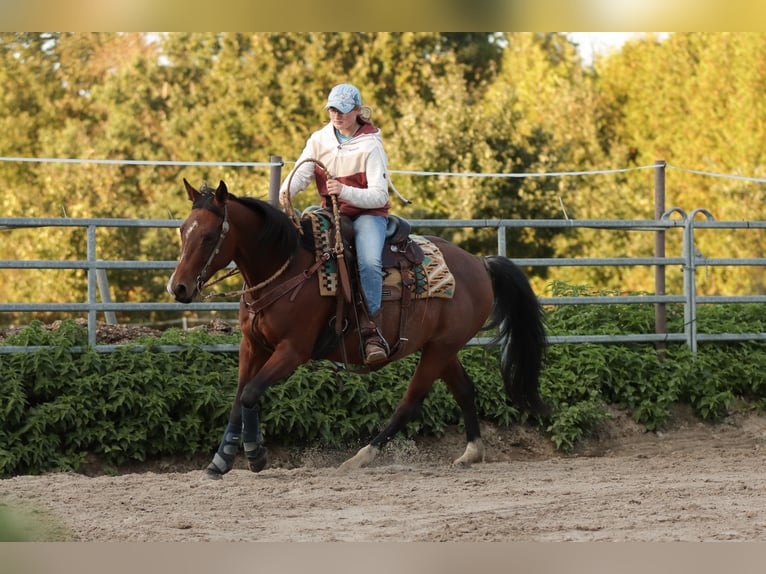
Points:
[(370, 234)]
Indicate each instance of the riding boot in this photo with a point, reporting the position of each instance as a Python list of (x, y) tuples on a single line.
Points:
[(375, 346)]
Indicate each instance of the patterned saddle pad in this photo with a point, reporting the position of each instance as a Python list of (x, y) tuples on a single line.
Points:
[(432, 278)]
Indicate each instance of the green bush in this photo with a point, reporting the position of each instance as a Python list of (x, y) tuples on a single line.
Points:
[(59, 409)]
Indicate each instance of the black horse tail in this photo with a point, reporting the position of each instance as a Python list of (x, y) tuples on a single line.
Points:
[(518, 316)]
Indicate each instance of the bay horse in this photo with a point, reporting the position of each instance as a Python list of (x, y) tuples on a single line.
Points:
[(283, 315)]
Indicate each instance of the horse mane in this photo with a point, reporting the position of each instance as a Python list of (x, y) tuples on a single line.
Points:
[(277, 230)]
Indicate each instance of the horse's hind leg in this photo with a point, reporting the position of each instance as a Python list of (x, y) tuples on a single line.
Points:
[(408, 407), (463, 390)]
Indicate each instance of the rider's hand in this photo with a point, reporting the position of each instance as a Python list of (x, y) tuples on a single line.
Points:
[(334, 187)]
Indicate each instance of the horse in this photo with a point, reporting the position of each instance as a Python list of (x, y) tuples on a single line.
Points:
[(283, 316)]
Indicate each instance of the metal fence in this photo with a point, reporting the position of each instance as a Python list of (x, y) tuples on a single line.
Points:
[(690, 260)]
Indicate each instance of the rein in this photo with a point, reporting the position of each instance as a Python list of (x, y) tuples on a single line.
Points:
[(284, 288), (288, 204), (241, 292)]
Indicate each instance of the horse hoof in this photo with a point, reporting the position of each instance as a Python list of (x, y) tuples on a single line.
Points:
[(474, 452), (363, 458), (212, 474), (258, 462)]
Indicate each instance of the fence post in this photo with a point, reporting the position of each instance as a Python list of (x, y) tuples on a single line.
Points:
[(660, 311), (275, 179), (91, 285), (106, 295), (690, 278), (502, 249)]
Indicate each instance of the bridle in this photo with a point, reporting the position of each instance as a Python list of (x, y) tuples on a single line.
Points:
[(216, 249)]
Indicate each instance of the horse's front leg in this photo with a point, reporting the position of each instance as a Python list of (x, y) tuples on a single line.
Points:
[(241, 427), (223, 459), (279, 366), (256, 374), (252, 439)]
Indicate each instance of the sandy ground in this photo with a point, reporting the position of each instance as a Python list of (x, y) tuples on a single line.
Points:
[(694, 482)]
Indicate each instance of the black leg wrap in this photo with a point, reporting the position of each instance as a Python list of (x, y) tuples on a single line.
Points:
[(223, 460), (252, 440)]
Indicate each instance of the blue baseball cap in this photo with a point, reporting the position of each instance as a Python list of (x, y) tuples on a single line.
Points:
[(344, 98)]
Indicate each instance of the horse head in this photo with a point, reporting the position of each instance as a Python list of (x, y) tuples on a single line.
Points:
[(204, 245)]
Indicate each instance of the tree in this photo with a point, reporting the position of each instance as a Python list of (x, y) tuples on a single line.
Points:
[(694, 100), (515, 104), (536, 116)]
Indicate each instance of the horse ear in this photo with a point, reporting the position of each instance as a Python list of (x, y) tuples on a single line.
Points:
[(222, 193), (190, 191)]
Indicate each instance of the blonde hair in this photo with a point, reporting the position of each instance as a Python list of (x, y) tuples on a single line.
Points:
[(365, 115)]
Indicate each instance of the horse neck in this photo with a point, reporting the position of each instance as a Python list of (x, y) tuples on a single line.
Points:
[(256, 261)]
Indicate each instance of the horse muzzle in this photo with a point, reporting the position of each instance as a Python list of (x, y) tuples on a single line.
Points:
[(180, 291)]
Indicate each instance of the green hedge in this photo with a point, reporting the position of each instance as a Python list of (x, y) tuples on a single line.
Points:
[(60, 409)]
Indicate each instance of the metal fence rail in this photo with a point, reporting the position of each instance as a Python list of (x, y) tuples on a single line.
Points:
[(690, 260)]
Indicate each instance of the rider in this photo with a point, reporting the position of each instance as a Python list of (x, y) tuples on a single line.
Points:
[(351, 149)]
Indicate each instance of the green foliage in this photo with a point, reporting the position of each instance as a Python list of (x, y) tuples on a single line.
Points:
[(60, 409), (637, 378), (498, 103), (456, 102)]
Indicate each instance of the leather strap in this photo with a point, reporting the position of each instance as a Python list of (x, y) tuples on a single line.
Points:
[(285, 287)]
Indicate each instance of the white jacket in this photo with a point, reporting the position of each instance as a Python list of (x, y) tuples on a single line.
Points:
[(360, 164)]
